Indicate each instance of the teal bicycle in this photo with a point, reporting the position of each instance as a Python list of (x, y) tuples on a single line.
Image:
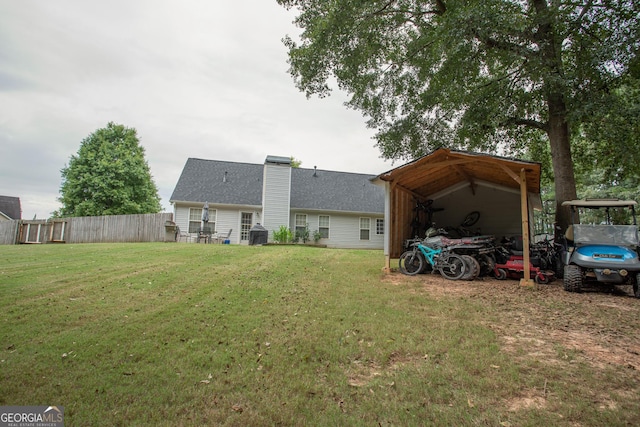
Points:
[(420, 257)]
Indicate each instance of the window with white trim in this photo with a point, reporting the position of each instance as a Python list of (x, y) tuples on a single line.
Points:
[(301, 223), (379, 226), (213, 217), (195, 219), (365, 228), (323, 226)]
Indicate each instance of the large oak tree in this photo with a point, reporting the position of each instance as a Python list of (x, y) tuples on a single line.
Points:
[(108, 176), (507, 76)]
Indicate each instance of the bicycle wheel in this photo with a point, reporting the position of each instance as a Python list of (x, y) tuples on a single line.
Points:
[(471, 219), (451, 266), (411, 263)]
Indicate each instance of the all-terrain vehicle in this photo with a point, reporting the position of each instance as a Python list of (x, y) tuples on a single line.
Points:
[(601, 245)]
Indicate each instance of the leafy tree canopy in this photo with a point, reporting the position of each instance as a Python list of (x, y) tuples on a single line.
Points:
[(295, 163), (608, 145), (518, 77), (108, 176)]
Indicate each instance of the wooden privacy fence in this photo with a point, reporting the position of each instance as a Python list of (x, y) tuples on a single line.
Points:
[(90, 229), (8, 232)]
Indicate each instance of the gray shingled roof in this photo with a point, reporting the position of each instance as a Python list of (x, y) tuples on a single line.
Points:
[(335, 191), (219, 182), (205, 181), (10, 206)]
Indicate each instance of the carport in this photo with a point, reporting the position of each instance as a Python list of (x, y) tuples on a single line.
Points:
[(455, 183)]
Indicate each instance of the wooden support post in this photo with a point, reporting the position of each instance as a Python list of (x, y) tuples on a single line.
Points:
[(389, 189), (524, 208)]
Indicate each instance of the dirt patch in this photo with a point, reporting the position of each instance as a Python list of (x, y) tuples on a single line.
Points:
[(545, 321), (526, 402)]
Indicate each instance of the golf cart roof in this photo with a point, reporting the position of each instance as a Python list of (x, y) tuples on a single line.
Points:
[(598, 203)]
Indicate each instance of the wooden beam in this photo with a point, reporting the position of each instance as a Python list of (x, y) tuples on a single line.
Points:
[(447, 163), (406, 190), (429, 167), (468, 177), (526, 259), (514, 175)]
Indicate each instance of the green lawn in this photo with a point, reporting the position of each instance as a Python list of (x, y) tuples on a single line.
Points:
[(193, 335)]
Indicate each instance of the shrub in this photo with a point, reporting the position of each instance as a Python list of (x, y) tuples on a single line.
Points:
[(303, 234), (282, 235)]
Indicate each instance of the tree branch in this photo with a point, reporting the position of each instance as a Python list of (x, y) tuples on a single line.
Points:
[(439, 9), (492, 43), (527, 122)]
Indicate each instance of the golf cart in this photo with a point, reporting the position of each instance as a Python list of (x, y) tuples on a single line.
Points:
[(601, 245)]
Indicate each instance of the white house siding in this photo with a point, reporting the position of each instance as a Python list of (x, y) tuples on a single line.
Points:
[(276, 196), (181, 216), (227, 218), (344, 229)]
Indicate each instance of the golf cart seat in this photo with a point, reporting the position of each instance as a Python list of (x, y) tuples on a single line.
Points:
[(569, 233)]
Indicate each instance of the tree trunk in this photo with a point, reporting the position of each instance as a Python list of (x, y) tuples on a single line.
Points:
[(557, 127), (561, 161)]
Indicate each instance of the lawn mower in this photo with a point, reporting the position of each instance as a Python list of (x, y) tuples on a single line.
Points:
[(510, 263)]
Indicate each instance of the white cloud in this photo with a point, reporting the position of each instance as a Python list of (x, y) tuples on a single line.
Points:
[(195, 78)]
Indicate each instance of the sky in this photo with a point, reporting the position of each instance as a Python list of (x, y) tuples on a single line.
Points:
[(195, 78)]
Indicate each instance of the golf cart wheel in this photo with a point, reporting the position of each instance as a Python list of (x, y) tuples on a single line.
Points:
[(501, 274), (410, 263), (541, 279), (472, 268), (572, 278), (636, 286)]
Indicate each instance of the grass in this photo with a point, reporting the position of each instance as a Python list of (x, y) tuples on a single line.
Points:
[(191, 335)]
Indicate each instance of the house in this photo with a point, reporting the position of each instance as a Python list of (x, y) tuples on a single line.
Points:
[(10, 208), (345, 209)]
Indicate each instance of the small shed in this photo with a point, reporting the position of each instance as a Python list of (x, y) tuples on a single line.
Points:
[(453, 184)]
